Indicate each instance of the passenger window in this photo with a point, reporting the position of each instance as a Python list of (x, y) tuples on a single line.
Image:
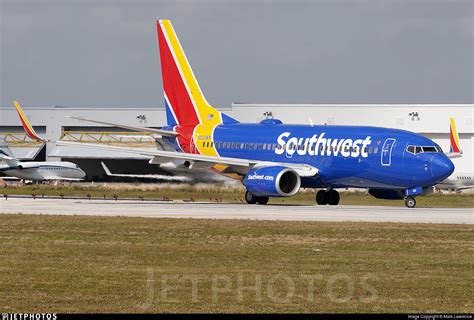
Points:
[(274, 146), (212, 144), (370, 149), (233, 145), (259, 146), (264, 146), (376, 149), (246, 146)]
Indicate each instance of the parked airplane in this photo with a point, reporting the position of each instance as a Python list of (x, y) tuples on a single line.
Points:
[(34, 170), (458, 180), (273, 159)]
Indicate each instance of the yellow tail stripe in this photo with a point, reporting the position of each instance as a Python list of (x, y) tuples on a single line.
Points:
[(455, 133)]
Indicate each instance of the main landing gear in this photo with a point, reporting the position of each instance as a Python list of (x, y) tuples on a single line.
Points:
[(251, 199), (410, 202), (330, 197)]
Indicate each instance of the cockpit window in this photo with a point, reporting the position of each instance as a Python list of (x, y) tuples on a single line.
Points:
[(419, 149), (430, 149)]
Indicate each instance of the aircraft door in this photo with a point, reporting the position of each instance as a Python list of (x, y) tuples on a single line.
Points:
[(386, 154)]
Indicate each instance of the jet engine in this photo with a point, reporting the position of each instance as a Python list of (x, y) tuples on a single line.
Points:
[(274, 181)]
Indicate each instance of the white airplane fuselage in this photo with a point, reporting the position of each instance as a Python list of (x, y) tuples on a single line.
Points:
[(39, 171), (457, 181)]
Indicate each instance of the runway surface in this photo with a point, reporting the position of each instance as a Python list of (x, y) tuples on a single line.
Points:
[(157, 209)]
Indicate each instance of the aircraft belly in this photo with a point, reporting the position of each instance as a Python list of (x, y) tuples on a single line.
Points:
[(26, 174)]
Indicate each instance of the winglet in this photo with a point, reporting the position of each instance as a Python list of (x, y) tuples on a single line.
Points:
[(30, 132), (454, 138), (106, 169)]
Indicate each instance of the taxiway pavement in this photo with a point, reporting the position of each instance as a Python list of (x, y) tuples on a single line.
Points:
[(158, 209)]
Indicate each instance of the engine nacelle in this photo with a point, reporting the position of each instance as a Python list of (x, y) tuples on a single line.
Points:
[(275, 181)]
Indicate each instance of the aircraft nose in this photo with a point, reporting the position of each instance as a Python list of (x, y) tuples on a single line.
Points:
[(441, 167)]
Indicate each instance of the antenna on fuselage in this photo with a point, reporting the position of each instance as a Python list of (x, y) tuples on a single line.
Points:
[(311, 122)]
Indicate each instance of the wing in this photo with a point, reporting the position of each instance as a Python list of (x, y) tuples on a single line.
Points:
[(140, 129), (241, 166), (144, 176)]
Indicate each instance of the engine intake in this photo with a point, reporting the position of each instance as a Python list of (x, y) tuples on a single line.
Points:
[(275, 181)]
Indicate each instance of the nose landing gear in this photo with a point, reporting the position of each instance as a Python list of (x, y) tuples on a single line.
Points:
[(330, 197), (410, 202)]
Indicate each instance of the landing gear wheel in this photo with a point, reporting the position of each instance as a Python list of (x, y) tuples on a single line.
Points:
[(410, 202), (263, 200), (322, 197), (333, 197), (250, 198)]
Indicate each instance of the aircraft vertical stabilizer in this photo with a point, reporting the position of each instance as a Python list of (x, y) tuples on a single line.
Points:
[(184, 101)]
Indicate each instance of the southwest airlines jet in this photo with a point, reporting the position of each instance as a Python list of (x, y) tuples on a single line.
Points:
[(273, 159), (34, 170)]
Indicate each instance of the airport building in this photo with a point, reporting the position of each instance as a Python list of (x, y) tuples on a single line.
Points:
[(53, 123)]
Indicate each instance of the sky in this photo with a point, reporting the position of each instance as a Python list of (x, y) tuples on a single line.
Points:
[(104, 53)]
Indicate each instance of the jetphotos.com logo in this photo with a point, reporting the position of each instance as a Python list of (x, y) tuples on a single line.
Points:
[(322, 146), (29, 316)]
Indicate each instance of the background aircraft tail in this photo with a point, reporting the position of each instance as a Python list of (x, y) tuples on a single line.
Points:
[(30, 132), (184, 101), (454, 138)]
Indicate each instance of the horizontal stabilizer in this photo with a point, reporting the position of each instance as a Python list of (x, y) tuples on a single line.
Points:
[(138, 129), (12, 162)]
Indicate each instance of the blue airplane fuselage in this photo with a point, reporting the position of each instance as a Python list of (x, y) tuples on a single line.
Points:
[(345, 156)]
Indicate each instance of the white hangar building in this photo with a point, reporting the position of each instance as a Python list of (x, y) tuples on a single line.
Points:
[(431, 120)]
